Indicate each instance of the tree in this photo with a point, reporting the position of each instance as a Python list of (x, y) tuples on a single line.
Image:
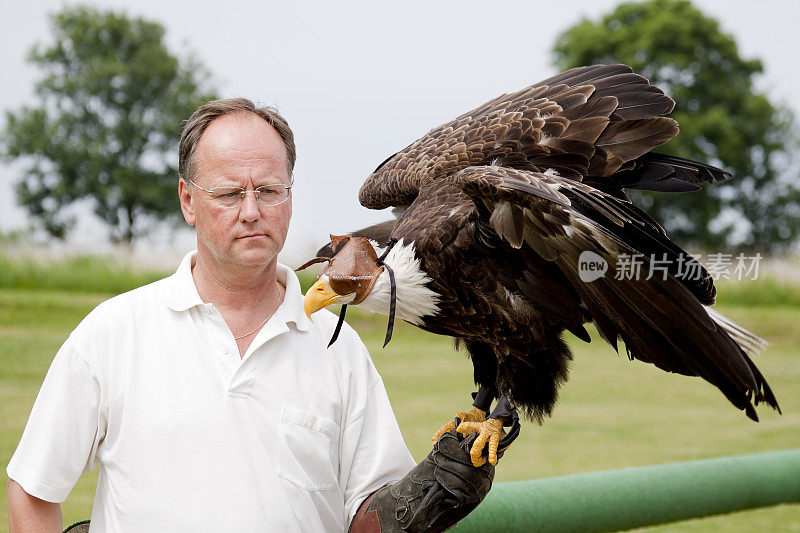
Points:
[(105, 128), (723, 120)]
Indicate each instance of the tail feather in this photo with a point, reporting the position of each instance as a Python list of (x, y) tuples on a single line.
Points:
[(750, 343)]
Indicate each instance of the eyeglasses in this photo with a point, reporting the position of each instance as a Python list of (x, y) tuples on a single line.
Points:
[(266, 195)]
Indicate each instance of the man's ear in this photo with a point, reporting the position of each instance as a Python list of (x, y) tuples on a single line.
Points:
[(187, 207)]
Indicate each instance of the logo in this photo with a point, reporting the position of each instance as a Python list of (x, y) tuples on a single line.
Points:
[(591, 266)]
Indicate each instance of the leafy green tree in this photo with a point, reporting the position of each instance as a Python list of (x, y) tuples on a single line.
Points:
[(105, 127), (724, 121)]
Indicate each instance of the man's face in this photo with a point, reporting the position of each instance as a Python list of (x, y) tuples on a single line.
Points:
[(239, 150)]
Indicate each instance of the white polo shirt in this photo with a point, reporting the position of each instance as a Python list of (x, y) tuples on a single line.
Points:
[(191, 437)]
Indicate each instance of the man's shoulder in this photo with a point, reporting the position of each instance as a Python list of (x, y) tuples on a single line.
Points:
[(111, 327), (118, 311), (324, 322), (146, 295), (350, 352)]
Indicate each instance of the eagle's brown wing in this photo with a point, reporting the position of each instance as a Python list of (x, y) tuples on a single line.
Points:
[(586, 123), (661, 320)]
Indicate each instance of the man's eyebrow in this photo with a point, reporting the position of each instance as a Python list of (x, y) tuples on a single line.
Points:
[(226, 186), (227, 182)]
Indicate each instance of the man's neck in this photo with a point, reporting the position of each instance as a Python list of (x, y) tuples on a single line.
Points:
[(236, 286)]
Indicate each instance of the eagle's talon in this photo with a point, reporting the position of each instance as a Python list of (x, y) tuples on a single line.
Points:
[(474, 415), (442, 430), (489, 431)]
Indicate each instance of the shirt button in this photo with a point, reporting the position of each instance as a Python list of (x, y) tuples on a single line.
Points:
[(225, 350)]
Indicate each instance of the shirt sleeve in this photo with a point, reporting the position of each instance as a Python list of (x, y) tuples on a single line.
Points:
[(63, 431), (373, 452)]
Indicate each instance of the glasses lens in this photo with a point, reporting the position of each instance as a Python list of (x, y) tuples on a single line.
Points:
[(227, 196), (272, 194)]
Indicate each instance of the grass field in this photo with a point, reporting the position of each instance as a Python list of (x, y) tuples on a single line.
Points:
[(612, 414)]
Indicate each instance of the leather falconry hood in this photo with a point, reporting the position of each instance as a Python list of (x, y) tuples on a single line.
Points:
[(354, 268)]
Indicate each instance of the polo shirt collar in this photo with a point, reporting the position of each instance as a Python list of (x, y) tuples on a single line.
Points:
[(182, 293), (292, 308)]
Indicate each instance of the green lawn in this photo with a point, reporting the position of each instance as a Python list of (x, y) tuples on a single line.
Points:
[(613, 413)]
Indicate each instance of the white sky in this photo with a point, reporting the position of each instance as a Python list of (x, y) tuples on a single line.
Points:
[(360, 80)]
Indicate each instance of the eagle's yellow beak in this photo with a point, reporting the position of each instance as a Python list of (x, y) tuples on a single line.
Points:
[(318, 296)]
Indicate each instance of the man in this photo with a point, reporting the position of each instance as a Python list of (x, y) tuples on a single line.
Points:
[(208, 399)]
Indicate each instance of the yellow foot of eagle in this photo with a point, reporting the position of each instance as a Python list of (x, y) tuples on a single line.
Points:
[(489, 431), (473, 415)]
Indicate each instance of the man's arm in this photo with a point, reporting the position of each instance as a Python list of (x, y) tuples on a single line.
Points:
[(28, 513)]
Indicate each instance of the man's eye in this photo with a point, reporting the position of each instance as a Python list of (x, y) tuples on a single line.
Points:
[(228, 195), (269, 191)]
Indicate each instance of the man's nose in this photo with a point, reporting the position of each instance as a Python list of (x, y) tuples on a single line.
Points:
[(248, 211)]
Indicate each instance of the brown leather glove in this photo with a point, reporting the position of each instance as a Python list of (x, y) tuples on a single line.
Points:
[(437, 493)]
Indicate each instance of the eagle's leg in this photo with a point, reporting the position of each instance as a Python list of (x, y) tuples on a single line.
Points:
[(482, 402), (490, 431)]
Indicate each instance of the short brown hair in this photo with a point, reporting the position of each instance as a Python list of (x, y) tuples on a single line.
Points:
[(205, 114)]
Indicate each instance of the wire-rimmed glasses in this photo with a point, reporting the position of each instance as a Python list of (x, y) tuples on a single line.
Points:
[(266, 195)]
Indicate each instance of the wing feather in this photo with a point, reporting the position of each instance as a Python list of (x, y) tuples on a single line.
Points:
[(660, 319), (609, 109)]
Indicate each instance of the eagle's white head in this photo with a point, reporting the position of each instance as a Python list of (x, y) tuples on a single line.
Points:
[(356, 276)]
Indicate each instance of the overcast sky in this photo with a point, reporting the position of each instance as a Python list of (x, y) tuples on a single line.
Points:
[(359, 80)]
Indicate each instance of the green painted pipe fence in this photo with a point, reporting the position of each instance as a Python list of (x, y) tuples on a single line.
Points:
[(616, 500)]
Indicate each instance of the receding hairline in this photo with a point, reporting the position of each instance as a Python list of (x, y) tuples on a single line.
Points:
[(238, 116), (205, 115)]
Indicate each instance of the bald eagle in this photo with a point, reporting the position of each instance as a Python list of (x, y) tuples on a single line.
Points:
[(502, 213)]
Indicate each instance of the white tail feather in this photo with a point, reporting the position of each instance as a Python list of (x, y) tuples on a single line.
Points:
[(749, 342)]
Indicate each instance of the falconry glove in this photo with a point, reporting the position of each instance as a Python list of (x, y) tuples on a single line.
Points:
[(437, 493)]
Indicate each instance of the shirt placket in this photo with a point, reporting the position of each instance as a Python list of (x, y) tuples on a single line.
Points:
[(253, 357), (220, 342)]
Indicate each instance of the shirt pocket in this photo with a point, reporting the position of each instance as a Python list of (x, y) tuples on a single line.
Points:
[(307, 450)]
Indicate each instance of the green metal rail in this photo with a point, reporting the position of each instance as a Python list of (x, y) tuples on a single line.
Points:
[(635, 497)]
